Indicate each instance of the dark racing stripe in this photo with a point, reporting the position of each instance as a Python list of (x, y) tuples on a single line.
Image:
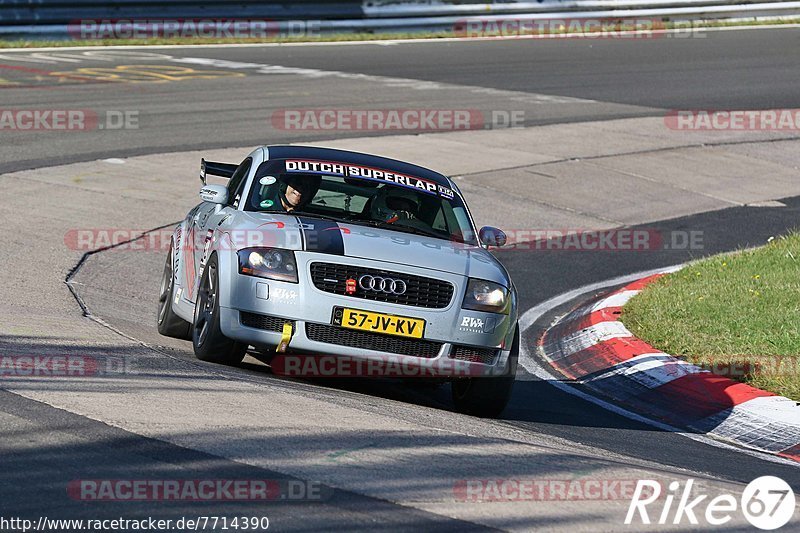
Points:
[(323, 236)]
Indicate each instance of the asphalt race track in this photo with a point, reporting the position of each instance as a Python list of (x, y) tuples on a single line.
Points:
[(591, 151), (581, 80)]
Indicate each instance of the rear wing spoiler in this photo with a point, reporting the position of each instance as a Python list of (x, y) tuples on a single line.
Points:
[(210, 168)]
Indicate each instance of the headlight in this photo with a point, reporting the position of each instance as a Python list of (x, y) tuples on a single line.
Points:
[(272, 263), (486, 296)]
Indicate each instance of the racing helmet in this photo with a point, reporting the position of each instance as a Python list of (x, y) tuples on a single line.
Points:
[(391, 200), (306, 184)]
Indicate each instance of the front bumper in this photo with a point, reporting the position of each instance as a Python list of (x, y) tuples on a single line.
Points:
[(479, 342)]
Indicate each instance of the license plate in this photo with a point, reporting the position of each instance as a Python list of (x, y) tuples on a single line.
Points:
[(402, 326)]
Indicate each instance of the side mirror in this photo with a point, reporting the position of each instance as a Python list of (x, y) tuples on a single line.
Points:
[(216, 194), (490, 236)]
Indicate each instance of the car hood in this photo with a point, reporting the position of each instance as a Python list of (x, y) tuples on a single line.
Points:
[(306, 233)]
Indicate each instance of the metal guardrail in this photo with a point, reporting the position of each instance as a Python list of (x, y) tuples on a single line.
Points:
[(52, 18), (37, 12), (427, 12), (394, 8)]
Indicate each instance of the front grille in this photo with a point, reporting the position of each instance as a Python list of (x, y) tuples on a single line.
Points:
[(269, 323), (420, 291), (372, 341), (473, 354)]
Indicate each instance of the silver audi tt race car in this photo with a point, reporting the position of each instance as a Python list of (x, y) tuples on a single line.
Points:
[(321, 252)]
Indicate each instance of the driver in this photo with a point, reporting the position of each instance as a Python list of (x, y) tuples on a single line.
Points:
[(391, 204), (296, 192)]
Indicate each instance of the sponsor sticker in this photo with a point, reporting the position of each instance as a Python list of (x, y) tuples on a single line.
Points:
[(368, 173), (476, 325), (284, 295)]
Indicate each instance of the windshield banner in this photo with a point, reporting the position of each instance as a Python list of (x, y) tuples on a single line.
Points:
[(356, 171)]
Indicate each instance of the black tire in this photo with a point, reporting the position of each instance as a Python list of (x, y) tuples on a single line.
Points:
[(207, 339), (170, 324), (487, 397)]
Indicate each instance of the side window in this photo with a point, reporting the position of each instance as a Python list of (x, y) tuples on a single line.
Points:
[(237, 181)]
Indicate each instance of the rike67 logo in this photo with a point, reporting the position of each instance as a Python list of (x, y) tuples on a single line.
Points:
[(767, 503)]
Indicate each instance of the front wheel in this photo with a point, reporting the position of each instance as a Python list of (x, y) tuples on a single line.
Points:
[(207, 339), (487, 397)]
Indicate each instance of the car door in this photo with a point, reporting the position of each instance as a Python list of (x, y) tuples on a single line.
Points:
[(209, 215)]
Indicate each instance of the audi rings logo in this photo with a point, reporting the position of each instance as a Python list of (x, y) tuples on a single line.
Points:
[(378, 284)]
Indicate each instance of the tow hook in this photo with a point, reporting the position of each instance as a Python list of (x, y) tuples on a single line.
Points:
[(288, 329)]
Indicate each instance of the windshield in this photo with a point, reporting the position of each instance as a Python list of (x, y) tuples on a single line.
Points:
[(361, 195)]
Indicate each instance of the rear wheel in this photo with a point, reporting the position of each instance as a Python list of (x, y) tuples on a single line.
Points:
[(169, 323), (207, 339), (487, 397)]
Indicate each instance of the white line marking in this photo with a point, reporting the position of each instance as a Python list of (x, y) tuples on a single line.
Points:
[(617, 299), (403, 83), (588, 337), (651, 370), (747, 423), (531, 366)]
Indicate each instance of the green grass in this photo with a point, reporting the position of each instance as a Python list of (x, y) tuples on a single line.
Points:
[(328, 37), (741, 308)]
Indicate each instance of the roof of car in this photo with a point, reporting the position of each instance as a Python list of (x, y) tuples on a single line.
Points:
[(356, 158)]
